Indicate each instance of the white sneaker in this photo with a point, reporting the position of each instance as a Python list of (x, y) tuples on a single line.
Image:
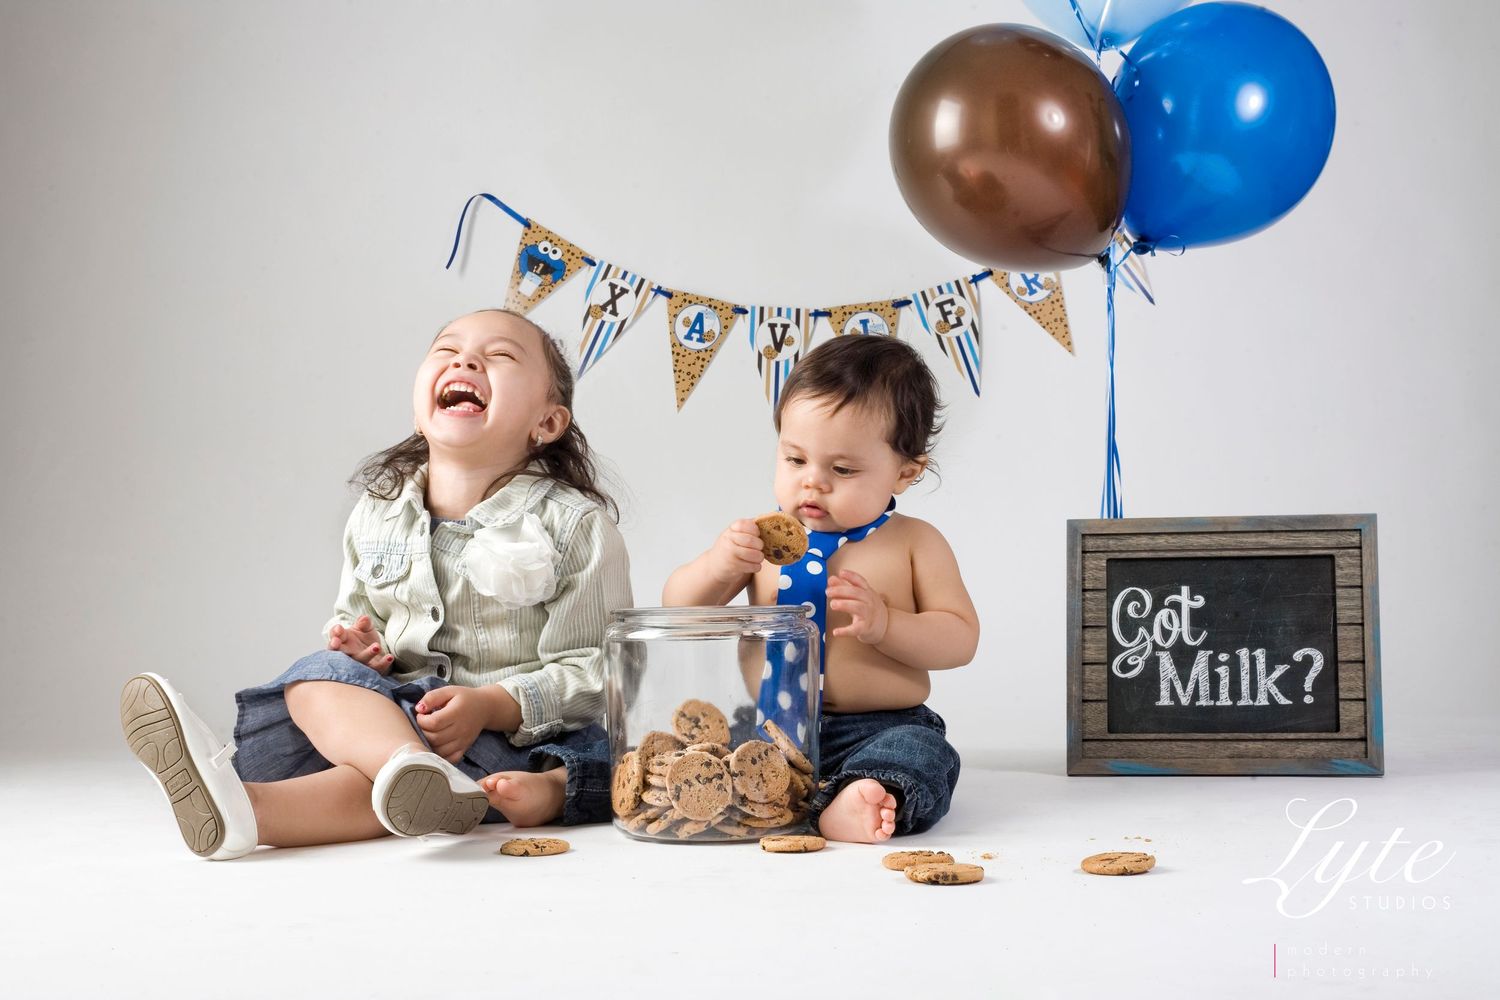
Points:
[(191, 765), (417, 793)]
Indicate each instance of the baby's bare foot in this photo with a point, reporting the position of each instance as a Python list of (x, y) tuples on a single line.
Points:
[(525, 798), (863, 812)]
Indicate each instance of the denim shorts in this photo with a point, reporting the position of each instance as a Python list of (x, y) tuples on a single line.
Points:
[(272, 748), (906, 750)]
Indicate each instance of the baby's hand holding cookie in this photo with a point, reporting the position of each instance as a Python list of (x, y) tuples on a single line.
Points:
[(852, 594), (736, 552)]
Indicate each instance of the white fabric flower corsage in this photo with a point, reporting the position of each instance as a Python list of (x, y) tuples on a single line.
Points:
[(512, 562)]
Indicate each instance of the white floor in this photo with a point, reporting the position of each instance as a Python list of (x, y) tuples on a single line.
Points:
[(100, 899)]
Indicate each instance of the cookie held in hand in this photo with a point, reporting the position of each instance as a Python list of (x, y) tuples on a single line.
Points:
[(783, 539)]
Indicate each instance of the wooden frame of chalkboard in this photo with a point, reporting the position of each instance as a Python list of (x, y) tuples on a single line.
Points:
[(1281, 612)]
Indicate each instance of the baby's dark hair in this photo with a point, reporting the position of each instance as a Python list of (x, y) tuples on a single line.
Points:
[(879, 373), (568, 460)]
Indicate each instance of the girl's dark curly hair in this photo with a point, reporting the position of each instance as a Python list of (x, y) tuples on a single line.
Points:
[(568, 460)]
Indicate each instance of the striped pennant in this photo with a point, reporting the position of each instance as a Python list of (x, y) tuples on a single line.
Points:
[(1133, 269), (950, 312), (778, 336), (613, 299)]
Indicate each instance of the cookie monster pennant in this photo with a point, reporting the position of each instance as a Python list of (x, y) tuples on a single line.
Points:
[(1041, 295), (865, 317), (614, 297), (544, 261), (950, 312), (778, 336), (698, 326)]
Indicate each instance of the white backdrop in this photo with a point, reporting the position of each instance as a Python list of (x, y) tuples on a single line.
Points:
[(223, 234)]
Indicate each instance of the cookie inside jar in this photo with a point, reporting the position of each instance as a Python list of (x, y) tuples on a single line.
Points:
[(711, 722)]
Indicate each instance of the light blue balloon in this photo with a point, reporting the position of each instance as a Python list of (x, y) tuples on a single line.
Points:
[(1115, 21), (1231, 115)]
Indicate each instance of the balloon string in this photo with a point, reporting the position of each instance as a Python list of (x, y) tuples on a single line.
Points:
[(1097, 44), (1111, 501)]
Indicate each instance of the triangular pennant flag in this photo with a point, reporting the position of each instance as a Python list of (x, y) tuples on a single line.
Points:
[(614, 297), (778, 336), (698, 326), (1042, 298), (950, 312), (544, 261), (865, 317)]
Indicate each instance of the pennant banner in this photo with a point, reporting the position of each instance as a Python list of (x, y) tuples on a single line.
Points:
[(950, 312), (698, 326), (613, 299), (880, 318), (778, 336), (1041, 296), (544, 262)]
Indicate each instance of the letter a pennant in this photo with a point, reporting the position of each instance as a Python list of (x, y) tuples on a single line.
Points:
[(544, 261), (950, 312), (698, 326), (613, 299), (778, 336), (1042, 298)]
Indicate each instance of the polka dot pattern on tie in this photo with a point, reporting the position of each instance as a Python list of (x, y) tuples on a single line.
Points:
[(805, 582)]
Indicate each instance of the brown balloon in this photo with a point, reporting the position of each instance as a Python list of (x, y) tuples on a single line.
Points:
[(1011, 148)]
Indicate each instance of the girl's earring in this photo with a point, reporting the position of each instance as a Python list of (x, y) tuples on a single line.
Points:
[(538, 440), (418, 432)]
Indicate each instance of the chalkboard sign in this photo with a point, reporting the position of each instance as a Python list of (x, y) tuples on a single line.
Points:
[(1223, 646)]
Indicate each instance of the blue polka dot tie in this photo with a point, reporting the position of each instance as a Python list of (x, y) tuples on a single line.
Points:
[(783, 686)]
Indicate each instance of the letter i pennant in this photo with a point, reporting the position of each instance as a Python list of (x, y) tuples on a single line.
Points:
[(878, 318), (613, 299), (778, 336), (950, 312), (1042, 298), (543, 262), (698, 326)]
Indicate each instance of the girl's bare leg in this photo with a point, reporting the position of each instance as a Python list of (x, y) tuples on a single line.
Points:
[(349, 725), (356, 730), (328, 807)]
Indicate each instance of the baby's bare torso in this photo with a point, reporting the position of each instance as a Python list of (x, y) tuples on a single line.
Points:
[(857, 677)]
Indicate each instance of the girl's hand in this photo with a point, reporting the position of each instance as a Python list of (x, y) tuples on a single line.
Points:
[(451, 718), (851, 593), (362, 642), (736, 552)]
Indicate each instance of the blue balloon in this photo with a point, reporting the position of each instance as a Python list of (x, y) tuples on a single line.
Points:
[(1231, 119), (1112, 23)]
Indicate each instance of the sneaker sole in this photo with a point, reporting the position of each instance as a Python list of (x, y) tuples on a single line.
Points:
[(420, 802), (154, 734)]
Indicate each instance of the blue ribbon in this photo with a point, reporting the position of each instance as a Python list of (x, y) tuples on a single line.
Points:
[(461, 215), (1111, 502)]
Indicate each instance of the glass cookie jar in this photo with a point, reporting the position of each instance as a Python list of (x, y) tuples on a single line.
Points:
[(712, 718)]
